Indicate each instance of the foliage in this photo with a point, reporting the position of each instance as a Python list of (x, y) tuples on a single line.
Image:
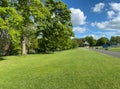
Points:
[(90, 40), (16, 17), (102, 40), (9, 33), (59, 29), (22, 21), (115, 40), (33, 13), (80, 41), (74, 43)]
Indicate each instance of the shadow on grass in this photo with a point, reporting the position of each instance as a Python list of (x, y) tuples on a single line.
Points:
[(2, 58)]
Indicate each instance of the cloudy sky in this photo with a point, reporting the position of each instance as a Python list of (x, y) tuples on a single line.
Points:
[(97, 18)]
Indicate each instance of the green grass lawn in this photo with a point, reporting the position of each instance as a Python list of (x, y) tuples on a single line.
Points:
[(116, 49), (72, 69)]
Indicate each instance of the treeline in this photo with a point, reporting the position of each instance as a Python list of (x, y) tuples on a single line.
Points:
[(34, 26), (113, 41)]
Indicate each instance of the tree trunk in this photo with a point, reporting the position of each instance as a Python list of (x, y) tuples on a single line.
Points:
[(24, 47), (4, 43)]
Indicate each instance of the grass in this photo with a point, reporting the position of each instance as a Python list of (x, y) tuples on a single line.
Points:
[(116, 49), (73, 69)]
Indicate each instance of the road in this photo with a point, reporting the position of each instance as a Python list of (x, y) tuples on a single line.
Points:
[(114, 54)]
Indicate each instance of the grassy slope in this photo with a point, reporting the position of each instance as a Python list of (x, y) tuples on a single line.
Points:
[(73, 69)]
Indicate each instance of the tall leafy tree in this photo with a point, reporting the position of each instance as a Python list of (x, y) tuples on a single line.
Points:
[(20, 20), (103, 40), (9, 22), (90, 40), (59, 28), (33, 12), (114, 40)]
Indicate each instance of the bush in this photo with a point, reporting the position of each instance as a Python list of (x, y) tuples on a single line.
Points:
[(74, 44)]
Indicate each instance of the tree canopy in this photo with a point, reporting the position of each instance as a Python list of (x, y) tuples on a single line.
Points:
[(59, 28), (42, 25), (103, 40), (114, 40)]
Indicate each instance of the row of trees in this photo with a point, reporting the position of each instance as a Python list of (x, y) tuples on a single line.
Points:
[(39, 25), (114, 40)]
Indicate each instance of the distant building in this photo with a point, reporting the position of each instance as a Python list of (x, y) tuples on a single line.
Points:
[(85, 44)]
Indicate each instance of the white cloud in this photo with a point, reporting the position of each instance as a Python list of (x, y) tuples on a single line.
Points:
[(98, 7), (114, 22), (77, 16), (78, 20), (118, 33), (79, 29), (98, 35), (111, 14), (115, 6), (94, 36), (100, 25), (108, 25)]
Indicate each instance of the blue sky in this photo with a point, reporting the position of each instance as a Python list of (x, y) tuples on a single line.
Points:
[(97, 18)]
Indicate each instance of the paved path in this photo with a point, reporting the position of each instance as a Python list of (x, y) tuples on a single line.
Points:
[(114, 54)]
